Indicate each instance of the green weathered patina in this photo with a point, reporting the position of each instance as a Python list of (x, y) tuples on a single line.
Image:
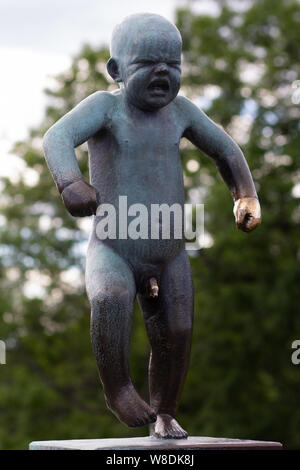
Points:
[(133, 138)]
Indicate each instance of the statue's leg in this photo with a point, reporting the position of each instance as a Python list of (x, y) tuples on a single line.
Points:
[(168, 320), (111, 290)]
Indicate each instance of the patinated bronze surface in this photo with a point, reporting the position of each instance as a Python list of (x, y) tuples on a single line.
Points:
[(133, 137)]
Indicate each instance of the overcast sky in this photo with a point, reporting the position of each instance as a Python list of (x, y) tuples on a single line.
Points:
[(38, 39), (60, 26)]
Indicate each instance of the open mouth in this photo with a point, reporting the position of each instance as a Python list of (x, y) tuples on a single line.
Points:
[(159, 85)]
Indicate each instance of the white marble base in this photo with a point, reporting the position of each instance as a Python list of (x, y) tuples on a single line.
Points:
[(150, 443)]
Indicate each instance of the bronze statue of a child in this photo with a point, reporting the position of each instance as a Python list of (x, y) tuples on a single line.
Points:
[(133, 138)]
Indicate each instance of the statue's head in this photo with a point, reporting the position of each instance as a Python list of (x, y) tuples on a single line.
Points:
[(145, 58)]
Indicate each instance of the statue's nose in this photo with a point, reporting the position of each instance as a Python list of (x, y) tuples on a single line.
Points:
[(161, 68)]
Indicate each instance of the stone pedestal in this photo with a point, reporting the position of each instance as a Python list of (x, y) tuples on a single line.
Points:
[(152, 444)]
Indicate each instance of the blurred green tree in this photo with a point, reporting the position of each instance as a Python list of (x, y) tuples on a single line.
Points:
[(239, 66), (49, 386), (244, 62)]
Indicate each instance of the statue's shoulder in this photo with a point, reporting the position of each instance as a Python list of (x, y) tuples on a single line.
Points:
[(190, 112), (102, 97), (182, 102), (184, 110), (101, 105)]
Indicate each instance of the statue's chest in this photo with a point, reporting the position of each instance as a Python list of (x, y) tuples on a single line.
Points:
[(148, 137)]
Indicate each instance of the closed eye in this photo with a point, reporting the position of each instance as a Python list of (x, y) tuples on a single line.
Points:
[(145, 62), (149, 63), (175, 64)]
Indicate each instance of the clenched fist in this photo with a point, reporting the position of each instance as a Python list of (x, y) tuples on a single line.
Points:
[(247, 213), (80, 199)]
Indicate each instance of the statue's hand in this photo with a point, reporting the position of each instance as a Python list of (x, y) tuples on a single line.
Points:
[(80, 199), (247, 213)]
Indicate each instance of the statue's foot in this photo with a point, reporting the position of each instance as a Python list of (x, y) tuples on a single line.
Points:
[(130, 409), (166, 427)]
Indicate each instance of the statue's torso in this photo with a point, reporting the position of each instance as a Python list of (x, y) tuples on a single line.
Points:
[(137, 156)]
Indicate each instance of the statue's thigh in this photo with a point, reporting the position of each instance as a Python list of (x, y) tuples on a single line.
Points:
[(107, 273), (174, 305)]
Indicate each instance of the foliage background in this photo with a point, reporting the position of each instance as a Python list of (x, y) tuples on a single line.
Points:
[(239, 67)]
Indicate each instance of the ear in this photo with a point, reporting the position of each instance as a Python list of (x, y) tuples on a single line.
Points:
[(113, 69)]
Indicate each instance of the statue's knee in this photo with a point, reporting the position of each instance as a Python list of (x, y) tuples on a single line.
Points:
[(110, 299), (181, 330)]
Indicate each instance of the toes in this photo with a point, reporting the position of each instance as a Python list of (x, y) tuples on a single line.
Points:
[(152, 416), (160, 435), (167, 428), (180, 435), (136, 423), (130, 409), (141, 420), (178, 432)]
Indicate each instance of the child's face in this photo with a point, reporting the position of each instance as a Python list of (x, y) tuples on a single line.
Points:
[(151, 71)]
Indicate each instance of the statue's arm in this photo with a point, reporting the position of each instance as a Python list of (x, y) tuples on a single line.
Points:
[(72, 130), (229, 158), (59, 143)]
